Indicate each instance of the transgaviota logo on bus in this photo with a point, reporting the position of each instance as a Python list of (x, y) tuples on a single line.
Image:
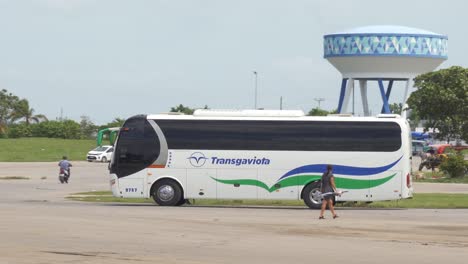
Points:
[(197, 159)]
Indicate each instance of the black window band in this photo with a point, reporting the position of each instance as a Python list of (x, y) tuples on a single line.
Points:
[(282, 135)]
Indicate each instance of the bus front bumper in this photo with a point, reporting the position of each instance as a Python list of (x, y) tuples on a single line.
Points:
[(114, 184)]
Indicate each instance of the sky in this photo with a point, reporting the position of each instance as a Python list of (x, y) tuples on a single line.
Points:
[(114, 58)]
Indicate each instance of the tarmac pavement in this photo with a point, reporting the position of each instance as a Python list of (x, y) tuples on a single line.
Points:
[(38, 225)]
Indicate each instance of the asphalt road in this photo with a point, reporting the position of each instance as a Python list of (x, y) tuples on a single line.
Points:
[(37, 225)]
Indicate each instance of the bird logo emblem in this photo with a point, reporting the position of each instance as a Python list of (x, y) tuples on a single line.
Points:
[(197, 159)]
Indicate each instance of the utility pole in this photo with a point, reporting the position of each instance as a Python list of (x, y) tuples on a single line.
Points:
[(255, 104), (281, 102), (319, 100)]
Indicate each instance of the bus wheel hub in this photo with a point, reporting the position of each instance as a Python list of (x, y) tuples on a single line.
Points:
[(313, 197), (166, 193)]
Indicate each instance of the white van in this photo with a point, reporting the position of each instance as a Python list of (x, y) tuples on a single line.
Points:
[(101, 153)]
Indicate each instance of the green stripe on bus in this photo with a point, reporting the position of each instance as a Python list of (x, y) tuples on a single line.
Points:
[(301, 180), (244, 182), (346, 183), (294, 181)]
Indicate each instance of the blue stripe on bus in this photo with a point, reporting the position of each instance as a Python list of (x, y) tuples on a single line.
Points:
[(340, 169)]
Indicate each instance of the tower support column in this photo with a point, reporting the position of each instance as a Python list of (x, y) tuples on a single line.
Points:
[(342, 94), (349, 89), (365, 103), (386, 107)]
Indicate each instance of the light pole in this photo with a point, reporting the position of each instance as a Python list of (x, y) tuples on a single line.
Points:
[(319, 100), (255, 104)]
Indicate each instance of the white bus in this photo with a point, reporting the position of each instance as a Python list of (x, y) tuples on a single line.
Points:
[(259, 154)]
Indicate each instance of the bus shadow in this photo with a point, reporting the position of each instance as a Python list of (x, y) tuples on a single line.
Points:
[(287, 207), (261, 207)]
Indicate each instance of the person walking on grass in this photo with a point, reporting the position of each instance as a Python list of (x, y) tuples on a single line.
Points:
[(329, 189)]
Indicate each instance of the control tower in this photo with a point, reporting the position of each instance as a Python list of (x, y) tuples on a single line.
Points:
[(384, 54)]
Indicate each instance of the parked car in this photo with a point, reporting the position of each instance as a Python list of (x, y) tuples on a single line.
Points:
[(442, 149), (101, 153), (419, 146)]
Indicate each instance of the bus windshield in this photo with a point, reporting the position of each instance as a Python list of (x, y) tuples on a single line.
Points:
[(137, 147)]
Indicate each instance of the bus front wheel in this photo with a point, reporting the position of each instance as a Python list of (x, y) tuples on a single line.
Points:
[(309, 197), (167, 193)]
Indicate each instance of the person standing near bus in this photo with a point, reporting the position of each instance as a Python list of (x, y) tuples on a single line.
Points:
[(328, 186)]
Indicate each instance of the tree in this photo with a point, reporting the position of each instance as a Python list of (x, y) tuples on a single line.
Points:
[(396, 108), (182, 109), (455, 165), (442, 101), (21, 110), (66, 129), (117, 122), (7, 103), (185, 109), (19, 130), (87, 127), (69, 130), (320, 112)]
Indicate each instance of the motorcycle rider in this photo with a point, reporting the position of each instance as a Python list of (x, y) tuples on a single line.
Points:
[(431, 161), (64, 165)]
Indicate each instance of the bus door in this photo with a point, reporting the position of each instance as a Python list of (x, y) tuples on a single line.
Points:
[(273, 189), (237, 183)]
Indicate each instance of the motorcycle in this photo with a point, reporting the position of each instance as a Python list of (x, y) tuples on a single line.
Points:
[(64, 175), (432, 162)]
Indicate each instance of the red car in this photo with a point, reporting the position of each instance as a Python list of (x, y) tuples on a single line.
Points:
[(441, 148)]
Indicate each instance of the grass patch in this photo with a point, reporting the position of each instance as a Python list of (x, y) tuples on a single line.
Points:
[(109, 199), (439, 177), (43, 149), (421, 200), (214, 202), (14, 178), (94, 193), (426, 200), (105, 196)]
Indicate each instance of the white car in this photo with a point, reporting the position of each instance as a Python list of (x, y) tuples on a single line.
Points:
[(101, 153)]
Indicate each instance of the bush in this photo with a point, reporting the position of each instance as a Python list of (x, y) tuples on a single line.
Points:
[(455, 165), (19, 130), (67, 129)]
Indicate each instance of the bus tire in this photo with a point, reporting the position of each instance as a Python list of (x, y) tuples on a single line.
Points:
[(167, 193), (307, 195), (182, 201)]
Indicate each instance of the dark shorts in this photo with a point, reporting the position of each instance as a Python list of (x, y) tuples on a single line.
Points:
[(328, 196)]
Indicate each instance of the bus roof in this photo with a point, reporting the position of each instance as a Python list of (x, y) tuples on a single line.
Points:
[(293, 115)]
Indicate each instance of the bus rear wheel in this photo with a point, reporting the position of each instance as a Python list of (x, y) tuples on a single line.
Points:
[(309, 195), (167, 193)]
